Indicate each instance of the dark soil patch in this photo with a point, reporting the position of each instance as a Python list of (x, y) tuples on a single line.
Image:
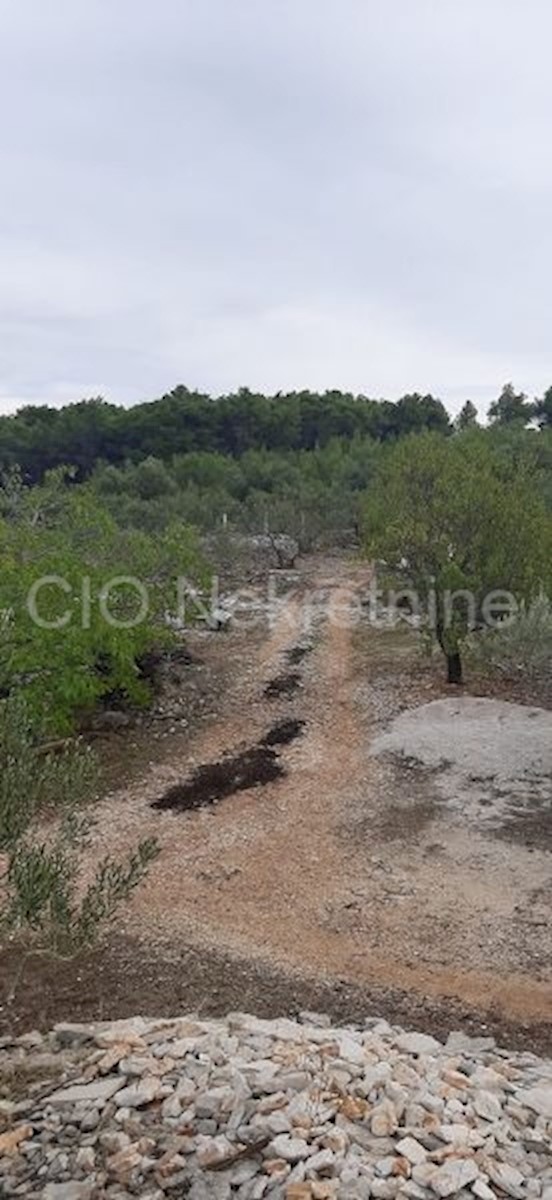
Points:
[(297, 654), (214, 781), (404, 821), (123, 978), (283, 732), (401, 819), (528, 827), (282, 686)]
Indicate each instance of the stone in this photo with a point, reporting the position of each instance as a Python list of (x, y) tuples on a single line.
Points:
[(243, 1172), (138, 1094), (30, 1040), (90, 1120), (354, 1108), (291, 1149), (456, 1079), (336, 1140), (352, 1051), (324, 1189), (322, 1020), (538, 1099), (112, 1058), (121, 1165), (171, 1108), (73, 1035), (321, 1163), (254, 1110), (375, 1076), (412, 1150), (462, 1043), (456, 1174), (97, 1092), (454, 1134), (488, 1106), (215, 1151), (169, 1164), (507, 1178), (384, 1189), (424, 1173), (85, 1158), (431, 1102), (130, 1030), (385, 1166), (482, 1190), (185, 1090), (291, 1081), (69, 1191), (138, 1064), (11, 1140), (384, 1119), (277, 1168), (112, 1141), (212, 1103), (418, 1043)]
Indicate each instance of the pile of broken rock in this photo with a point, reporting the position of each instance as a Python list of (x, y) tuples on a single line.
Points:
[(250, 1109)]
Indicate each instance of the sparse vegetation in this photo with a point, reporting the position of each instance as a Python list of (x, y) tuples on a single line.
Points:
[(45, 822), (520, 649)]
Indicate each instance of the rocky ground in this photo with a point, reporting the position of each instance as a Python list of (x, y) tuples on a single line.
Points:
[(248, 1108)]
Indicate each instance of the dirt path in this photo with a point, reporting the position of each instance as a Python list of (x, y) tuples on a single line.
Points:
[(346, 868)]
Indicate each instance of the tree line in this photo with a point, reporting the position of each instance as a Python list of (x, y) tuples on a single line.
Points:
[(40, 438)]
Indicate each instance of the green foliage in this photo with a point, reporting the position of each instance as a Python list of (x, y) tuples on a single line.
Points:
[(43, 830), (31, 782), (456, 515), (511, 408), (518, 649), (74, 639), (543, 410), (467, 417), (312, 495), (300, 463), (183, 422)]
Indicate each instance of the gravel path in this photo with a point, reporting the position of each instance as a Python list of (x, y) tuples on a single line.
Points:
[(245, 1108), (349, 866), (373, 876)]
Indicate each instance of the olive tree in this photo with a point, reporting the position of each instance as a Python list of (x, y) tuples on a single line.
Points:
[(463, 526), (45, 822)]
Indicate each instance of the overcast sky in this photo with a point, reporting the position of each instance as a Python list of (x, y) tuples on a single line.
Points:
[(274, 193)]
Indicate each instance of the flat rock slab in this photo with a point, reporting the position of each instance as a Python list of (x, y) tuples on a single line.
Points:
[(483, 752)]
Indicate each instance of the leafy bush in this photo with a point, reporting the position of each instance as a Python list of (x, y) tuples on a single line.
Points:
[(43, 830), (521, 649), (57, 538)]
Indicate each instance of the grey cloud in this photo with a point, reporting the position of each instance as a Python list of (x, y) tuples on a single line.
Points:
[(274, 192)]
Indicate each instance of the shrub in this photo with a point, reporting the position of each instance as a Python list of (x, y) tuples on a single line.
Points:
[(44, 827), (521, 649), (74, 656)]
